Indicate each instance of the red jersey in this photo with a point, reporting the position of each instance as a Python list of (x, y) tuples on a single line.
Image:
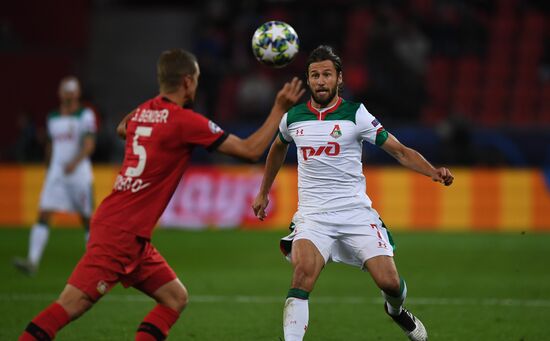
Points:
[(160, 137)]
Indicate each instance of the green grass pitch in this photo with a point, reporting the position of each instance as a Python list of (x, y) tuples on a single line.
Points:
[(463, 287)]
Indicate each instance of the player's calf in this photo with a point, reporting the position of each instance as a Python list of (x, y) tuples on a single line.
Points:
[(45, 325), (157, 324), (71, 304), (296, 314), (395, 297)]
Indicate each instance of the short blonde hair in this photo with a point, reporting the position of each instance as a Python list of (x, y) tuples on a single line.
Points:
[(172, 66), (69, 84)]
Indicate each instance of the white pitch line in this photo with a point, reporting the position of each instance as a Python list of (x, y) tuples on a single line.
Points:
[(503, 302)]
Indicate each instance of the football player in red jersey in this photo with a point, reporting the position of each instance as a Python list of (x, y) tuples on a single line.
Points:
[(160, 135)]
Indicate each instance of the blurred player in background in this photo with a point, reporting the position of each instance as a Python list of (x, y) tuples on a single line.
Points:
[(335, 220), (160, 136), (68, 186)]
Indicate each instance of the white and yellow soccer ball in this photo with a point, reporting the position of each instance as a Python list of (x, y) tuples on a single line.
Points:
[(275, 43)]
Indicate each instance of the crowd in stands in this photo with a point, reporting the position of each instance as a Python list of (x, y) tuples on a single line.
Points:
[(449, 65)]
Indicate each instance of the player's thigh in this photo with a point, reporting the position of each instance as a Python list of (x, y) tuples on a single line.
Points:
[(96, 273), (320, 239), (153, 273), (307, 254), (81, 196), (54, 195), (362, 238)]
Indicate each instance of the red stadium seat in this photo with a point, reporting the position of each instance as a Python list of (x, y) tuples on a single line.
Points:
[(544, 111), (524, 98), (465, 93), (438, 79), (493, 106)]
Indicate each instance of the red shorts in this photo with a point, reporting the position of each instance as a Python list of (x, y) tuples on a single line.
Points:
[(113, 256)]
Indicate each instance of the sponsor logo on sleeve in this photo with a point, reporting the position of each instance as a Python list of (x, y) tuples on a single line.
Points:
[(214, 128), (375, 122)]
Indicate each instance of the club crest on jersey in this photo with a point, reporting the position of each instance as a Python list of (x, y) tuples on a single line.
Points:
[(336, 132), (102, 287)]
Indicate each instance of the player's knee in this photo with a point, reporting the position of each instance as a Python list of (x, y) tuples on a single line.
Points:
[(75, 306), (44, 217), (179, 299), (182, 299)]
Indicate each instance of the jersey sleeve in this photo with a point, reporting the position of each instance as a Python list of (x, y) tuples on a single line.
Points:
[(199, 130), (89, 125), (370, 129), (284, 133)]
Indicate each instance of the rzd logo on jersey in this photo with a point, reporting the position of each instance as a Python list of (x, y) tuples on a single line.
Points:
[(332, 149)]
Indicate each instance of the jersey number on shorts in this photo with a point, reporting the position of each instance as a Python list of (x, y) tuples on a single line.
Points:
[(139, 150)]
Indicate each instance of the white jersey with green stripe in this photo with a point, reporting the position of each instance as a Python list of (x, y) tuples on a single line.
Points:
[(329, 147), (66, 133)]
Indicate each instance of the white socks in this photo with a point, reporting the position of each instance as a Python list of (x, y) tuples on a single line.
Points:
[(37, 243), (295, 318), (394, 304)]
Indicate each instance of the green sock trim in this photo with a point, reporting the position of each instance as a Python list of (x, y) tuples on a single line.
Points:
[(402, 286), (298, 293)]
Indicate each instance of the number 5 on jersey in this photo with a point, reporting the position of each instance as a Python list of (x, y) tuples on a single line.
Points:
[(140, 151)]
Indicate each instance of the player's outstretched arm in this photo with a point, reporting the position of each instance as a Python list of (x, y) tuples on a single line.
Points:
[(121, 127), (412, 159), (275, 159), (253, 147)]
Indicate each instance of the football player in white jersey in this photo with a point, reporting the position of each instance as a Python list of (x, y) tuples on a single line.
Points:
[(68, 185), (335, 220)]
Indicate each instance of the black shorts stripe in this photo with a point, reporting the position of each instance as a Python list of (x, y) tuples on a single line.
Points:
[(37, 332), (150, 328)]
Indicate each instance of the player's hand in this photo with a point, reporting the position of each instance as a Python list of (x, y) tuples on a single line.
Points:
[(70, 167), (290, 94), (443, 175), (259, 206)]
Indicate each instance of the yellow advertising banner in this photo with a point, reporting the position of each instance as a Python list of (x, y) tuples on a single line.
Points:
[(221, 197)]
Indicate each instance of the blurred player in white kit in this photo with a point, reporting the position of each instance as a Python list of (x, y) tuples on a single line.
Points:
[(68, 186)]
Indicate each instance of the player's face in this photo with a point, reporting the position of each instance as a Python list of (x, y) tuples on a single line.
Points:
[(323, 81), (69, 91)]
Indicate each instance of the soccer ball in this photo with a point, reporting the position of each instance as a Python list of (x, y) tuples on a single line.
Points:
[(275, 43)]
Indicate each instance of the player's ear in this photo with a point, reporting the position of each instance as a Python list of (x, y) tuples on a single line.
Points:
[(340, 78), (186, 81)]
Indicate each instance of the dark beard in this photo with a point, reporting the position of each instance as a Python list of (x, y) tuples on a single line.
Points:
[(325, 102)]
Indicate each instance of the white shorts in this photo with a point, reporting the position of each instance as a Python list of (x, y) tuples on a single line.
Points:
[(62, 193), (349, 237)]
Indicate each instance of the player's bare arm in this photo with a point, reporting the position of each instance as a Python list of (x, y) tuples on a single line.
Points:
[(121, 127), (88, 147), (253, 147), (275, 159), (412, 159)]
